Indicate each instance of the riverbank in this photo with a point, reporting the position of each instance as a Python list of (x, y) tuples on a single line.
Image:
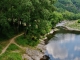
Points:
[(14, 51), (72, 25), (37, 52)]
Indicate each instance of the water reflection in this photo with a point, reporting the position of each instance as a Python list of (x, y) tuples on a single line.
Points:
[(64, 47), (77, 58), (77, 48), (66, 37), (57, 51)]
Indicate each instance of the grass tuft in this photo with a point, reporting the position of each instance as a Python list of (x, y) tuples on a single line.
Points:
[(26, 41), (12, 47)]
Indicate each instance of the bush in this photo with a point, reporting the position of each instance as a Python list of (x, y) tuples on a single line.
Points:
[(78, 20), (26, 41)]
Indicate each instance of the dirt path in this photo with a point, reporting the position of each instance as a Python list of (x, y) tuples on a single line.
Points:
[(11, 41)]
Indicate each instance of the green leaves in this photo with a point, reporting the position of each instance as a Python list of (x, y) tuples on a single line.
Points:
[(33, 13), (56, 17)]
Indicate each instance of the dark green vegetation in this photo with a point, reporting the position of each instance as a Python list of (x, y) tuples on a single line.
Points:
[(69, 5), (12, 47), (33, 17), (78, 20), (70, 9), (27, 41)]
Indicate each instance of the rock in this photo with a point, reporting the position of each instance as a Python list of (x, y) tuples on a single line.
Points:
[(36, 57), (34, 53), (26, 57), (41, 47), (45, 57), (38, 52)]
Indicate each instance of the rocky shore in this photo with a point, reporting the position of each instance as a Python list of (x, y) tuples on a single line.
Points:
[(65, 24), (37, 53)]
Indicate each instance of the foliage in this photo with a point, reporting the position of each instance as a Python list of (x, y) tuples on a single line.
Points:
[(11, 56), (69, 8), (69, 5), (24, 15), (44, 27), (55, 18), (12, 47), (27, 41), (78, 20), (68, 15)]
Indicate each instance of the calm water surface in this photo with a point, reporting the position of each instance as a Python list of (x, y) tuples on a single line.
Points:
[(64, 46)]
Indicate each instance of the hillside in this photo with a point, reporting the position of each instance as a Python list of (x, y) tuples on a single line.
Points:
[(69, 5)]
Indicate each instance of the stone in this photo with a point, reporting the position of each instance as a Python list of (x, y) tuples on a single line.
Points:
[(45, 57)]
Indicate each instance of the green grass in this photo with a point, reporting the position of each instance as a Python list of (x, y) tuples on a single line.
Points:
[(13, 47), (26, 41), (3, 44), (11, 56), (73, 24), (4, 41)]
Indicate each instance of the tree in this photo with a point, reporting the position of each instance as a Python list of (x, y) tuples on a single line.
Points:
[(55, 18), (25, 15)]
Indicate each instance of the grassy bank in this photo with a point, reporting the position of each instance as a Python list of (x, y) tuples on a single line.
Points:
[(3, 44), (11, 56), (73, 24), (26, 41), (12, 53)]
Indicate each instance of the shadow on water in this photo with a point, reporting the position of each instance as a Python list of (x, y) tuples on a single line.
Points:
[(65, 30)]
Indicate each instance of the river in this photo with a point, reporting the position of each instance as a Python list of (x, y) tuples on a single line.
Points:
[(64, 45)]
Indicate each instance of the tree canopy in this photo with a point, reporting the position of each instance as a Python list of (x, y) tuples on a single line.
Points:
[(30, 16)]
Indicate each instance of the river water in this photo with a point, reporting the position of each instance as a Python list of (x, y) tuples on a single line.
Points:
[(64, 46)]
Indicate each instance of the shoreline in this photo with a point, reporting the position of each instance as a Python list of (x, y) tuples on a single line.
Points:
[(38, 52), (70, 23)]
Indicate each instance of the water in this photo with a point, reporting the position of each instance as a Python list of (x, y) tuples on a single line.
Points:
[(64, 46)]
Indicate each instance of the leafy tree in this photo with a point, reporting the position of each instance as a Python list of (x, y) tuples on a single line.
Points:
[(68, 15), (56, 17), (25, 15)]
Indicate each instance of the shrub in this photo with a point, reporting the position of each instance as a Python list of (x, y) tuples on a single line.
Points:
[(78, 20), (26, 41)]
